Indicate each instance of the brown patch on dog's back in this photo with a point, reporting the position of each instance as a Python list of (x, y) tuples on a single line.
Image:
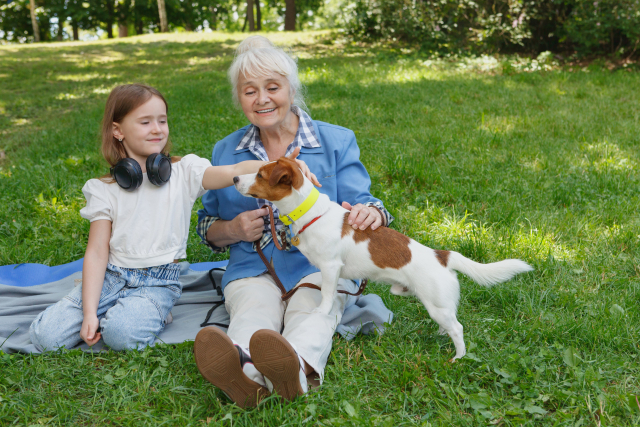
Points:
[(388, 248), (442, 257)]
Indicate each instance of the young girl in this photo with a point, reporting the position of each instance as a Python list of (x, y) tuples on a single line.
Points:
[(139, 227)]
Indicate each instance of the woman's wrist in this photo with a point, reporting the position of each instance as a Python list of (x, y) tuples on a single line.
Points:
[(382, 221), (221, 233)]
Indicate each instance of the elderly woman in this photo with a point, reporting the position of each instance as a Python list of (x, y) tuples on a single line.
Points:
[(274, 344)]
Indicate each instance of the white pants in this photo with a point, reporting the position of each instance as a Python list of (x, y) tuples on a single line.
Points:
[(254, 303)]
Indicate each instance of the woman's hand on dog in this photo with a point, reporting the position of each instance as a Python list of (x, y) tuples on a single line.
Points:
[(362, 216), (304, 168)]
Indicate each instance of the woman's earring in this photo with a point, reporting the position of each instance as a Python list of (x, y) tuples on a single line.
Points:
[(120, 139)]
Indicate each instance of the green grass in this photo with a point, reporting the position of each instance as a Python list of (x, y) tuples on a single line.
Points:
[(538, 165)]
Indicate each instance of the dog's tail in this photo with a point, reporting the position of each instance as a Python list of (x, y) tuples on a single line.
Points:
[(487, 274)]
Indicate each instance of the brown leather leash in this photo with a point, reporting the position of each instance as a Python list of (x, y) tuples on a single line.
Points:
[(286, 295)]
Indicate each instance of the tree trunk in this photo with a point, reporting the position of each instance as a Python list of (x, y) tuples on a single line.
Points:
[(138, 23), (34, 21), (60, 29), (213, 23), (290, 15), (164, 25), (74, 25), (123, 30), (258, 16), (110, 19), (250, 20)]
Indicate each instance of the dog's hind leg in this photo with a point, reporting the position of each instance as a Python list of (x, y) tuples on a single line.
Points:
[(402, 290), (445, 317)]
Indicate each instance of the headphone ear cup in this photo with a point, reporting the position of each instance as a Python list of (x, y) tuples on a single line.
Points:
[(158, 169), (128, 174)]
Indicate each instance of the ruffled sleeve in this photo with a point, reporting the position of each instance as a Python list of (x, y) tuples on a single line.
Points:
[(98, 205), (194, 167)]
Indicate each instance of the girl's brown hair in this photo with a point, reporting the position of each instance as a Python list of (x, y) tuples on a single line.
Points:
[(122, 100)]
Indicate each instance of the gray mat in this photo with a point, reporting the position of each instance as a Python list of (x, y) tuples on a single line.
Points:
[(20, 305)]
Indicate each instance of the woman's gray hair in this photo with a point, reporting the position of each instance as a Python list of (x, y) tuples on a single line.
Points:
[(256, 56)]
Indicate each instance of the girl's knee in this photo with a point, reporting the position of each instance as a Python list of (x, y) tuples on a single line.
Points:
[(120, 335), (44, 337), (55, 328)]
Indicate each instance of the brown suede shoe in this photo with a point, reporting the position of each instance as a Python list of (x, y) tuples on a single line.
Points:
[(274, 357), (219, 362)]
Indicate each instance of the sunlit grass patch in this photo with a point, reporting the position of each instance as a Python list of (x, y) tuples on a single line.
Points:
[(603, 156)]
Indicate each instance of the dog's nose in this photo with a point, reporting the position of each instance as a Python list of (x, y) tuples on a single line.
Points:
[(236, 179)]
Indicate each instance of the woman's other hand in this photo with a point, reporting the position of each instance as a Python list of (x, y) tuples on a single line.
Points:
[(248, 226), (304, 168), (362, 216), (90, 325)]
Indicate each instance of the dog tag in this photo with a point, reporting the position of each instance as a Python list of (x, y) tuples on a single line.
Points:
[(295, 240)]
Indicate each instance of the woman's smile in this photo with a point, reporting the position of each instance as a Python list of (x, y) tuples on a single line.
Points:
[(266, 111)]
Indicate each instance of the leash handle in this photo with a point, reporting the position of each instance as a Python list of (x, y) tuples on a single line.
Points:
[(286, 295)]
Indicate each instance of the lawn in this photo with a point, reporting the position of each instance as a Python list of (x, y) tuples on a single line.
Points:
[(491, 158)]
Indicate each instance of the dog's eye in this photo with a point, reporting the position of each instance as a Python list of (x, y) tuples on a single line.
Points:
[(259, 175)]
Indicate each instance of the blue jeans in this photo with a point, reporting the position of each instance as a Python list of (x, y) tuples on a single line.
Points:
[(133, 309)]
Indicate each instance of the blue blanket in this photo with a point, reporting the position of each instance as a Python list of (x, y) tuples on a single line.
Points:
[(37, 274), (28, 289)]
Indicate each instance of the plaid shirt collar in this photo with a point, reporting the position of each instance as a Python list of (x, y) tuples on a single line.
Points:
[(305, 137)]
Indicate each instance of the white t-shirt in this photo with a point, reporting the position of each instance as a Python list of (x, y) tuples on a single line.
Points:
[(150, 225)]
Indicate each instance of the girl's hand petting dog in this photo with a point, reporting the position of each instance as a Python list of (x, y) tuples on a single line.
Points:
[(88, 331)]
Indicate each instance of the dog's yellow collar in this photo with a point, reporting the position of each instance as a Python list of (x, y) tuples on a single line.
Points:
[(302, 209)]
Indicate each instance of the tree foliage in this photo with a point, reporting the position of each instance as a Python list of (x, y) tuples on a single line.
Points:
[(63, 19), (587, 26)]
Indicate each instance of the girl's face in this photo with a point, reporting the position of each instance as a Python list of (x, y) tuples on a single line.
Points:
[(144, 131), (266, 101)]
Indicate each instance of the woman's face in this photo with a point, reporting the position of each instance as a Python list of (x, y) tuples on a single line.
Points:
[(266, 101)]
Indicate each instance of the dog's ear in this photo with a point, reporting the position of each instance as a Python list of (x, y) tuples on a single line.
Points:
[(281, 173), (296, 174), (287, 172)]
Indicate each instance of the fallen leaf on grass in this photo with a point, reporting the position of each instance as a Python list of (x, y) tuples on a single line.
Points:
[(569, 357), (348, 408), (533, 409), (616, 310)]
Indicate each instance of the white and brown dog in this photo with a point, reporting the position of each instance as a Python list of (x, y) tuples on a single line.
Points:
[(382, 255)]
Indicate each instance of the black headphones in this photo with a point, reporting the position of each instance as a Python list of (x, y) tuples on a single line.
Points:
[(128, 173)]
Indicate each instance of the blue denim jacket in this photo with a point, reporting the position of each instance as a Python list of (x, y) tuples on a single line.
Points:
[(337, 165)]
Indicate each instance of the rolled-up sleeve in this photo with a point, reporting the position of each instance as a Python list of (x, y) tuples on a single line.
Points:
[(353, 181)]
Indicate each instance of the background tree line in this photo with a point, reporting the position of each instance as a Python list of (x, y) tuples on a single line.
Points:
[(46, 20), (586, 27)]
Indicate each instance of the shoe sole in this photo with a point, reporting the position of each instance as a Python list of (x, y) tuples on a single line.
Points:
[(276, 359), (219, 363)]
